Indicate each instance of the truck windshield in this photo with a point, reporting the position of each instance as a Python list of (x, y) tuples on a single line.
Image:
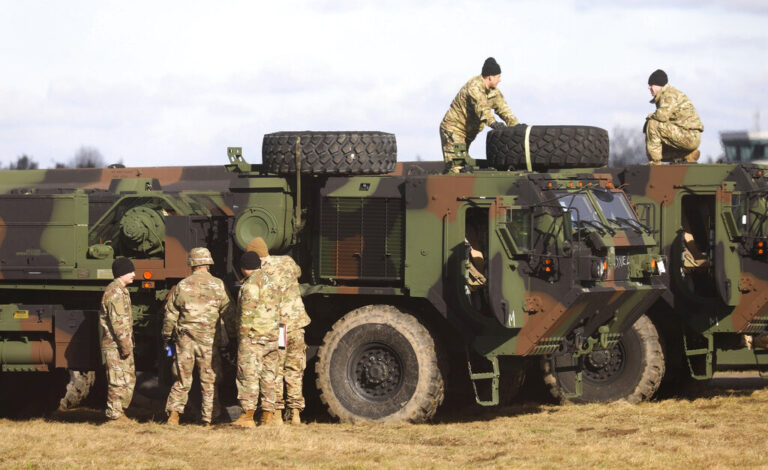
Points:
[(579, 205), (614, 205)]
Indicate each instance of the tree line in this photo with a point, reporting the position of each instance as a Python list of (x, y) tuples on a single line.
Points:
[(85, 157)]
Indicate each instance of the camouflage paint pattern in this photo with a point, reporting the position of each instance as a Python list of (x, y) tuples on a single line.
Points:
[(727, 296)]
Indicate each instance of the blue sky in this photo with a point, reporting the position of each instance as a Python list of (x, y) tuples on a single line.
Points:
[(175, 83)]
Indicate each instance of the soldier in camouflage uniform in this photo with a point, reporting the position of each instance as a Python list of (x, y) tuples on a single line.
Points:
[(293, 358), (673, 131), (472, 108), (116, 320), (194, 312), (257, 356)]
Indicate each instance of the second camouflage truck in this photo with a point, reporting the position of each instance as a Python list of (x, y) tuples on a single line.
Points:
[(710, 223), (407, 271)]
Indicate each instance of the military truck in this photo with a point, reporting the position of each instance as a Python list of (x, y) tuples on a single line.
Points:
[(405, 267), (709, 221)]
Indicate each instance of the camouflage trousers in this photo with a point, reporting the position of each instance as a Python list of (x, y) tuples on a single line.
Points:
[(290, 371), (256, 371), (449, 136), (667, 142), (188, 354), (121, 378)]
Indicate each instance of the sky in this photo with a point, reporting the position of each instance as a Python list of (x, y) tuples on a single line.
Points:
[(151, 83)]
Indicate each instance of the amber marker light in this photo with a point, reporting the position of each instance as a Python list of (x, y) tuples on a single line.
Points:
[(148, 284), (548, 265), (147, 274)]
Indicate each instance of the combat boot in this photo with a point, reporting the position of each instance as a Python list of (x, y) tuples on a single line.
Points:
[(295, 418), (120, 420), (267, 418), (693, 157), (173, 418), (245, 420)]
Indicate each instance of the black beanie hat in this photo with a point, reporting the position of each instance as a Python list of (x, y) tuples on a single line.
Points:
[(122, 266), (658, 78), (250, 260), (490, 67)]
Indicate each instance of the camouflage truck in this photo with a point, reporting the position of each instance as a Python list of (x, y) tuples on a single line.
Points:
[(709, 221), (405, 267)]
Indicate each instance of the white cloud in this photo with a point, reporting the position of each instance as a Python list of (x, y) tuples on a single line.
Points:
[(156, 83)]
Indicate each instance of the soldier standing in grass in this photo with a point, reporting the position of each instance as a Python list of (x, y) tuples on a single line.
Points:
[(193, 317), (673, 131), (116, 321), (472, 109), (293, 315), (257, 356)]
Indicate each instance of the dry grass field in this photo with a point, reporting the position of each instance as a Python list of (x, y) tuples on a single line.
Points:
[(723, 426)]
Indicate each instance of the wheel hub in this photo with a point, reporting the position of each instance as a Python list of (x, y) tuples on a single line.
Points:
[(377, 372), (604, 366)]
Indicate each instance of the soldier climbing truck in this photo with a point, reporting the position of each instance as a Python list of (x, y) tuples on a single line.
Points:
[(709, 221), (408, 270)]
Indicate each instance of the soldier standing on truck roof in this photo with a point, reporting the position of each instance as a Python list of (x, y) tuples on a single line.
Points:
[(673, 131), (472, 108), (116, 320), (193, 317), (257, 356), (293, 319)]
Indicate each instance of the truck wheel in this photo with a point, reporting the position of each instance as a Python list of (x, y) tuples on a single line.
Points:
[(631, 371), (550, 147), (340, 153), (78, 388), (378, 364)]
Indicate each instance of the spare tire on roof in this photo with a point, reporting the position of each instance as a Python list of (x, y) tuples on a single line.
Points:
[(337, 152), (550, 147)]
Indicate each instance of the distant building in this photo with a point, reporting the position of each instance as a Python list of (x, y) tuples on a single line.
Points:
[(745, 146)]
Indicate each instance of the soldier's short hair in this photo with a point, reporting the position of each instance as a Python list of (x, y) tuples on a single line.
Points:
[(199, 256)]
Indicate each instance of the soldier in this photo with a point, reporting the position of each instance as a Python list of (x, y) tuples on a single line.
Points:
[(193, 316), (294, 318), (116, 320), (471, 110), (257, 356), (673, 131)]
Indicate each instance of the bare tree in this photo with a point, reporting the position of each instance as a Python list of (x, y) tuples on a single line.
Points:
[(88, 157), (24, 162), (627, 147)]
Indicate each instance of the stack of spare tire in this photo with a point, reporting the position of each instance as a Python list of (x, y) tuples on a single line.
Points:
[(373, 152), (549, 147), (334, 153)]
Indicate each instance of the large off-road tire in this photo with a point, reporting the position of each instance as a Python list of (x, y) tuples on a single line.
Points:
[(378, 364), (550, 147), (631, 371), (342, 153), (78, 388)]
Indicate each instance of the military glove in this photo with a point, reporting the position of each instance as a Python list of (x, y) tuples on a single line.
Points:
[(498, 125)]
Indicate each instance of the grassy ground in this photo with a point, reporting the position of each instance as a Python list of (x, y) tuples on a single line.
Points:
[(723, 426)]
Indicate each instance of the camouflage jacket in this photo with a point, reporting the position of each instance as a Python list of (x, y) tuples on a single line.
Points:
[(471, 109), (259, 305), (116, 318), (195, 307), (672, 105), (286, 273)]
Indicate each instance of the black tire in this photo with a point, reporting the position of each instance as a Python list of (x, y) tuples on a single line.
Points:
[(631, 371), (78, 388), (550, 147), (341, 153), (378, 364)]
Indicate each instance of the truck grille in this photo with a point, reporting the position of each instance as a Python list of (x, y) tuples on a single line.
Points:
[(361, 239)]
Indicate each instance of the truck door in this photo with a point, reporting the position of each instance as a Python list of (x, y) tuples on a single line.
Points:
[(727, 269), (509, 242)]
